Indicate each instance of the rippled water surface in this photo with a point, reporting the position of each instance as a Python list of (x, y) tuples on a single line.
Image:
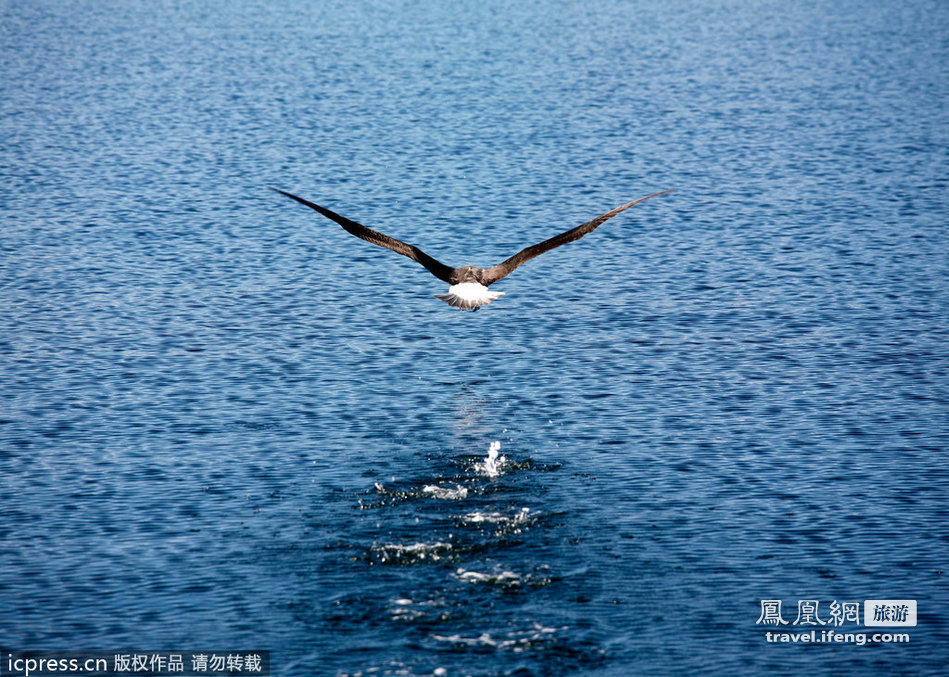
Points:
[(226, 423)]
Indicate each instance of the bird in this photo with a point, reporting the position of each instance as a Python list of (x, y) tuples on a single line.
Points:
[(469, 284)]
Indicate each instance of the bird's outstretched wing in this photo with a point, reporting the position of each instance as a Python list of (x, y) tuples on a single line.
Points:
[(503, 269), (436, 268)]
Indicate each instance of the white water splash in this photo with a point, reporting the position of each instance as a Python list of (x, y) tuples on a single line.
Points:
[(502, 578), (401, 610), (395, 552), (517, 641), (492, 464), (518, 518), (456, 494)]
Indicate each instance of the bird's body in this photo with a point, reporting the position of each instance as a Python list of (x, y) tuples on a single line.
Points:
[(469, 295), (469, 284), (467, 290)]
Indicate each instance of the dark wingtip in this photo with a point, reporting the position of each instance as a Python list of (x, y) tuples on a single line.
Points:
[(298, 199)]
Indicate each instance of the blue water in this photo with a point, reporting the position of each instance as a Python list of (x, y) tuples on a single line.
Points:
[(227, 424)]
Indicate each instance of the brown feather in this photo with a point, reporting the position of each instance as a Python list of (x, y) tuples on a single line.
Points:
[(503, 269), (436, 268)]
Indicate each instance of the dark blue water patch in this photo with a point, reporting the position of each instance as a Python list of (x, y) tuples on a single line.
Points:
[(458, 543)]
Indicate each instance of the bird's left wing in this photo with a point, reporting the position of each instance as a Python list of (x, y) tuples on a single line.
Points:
[(436, 268), (503, 269)]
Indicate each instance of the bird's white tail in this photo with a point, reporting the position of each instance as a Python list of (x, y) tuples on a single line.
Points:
[(469, 295)]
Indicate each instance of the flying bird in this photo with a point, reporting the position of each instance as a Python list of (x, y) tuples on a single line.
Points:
[(469, 284)]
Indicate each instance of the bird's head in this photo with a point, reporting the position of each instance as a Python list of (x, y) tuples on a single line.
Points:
[(467, 274)]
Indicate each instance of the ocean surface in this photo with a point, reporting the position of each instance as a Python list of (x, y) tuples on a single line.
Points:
[(226, 424)]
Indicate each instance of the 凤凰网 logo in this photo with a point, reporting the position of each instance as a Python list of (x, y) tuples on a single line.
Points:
[(838, 621)]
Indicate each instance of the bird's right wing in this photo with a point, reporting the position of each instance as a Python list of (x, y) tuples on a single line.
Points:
[(503, 269), (436, 268)]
